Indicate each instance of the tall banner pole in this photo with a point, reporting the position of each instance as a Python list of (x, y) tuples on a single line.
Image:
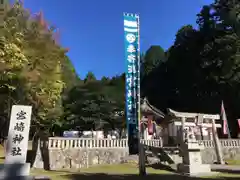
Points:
[(132, 59), (141, 149), (138, 79)]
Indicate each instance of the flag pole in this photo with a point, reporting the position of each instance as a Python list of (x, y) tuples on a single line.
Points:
[(141, 150)]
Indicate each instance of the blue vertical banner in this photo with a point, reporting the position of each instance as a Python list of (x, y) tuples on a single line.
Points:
[(132, 59)]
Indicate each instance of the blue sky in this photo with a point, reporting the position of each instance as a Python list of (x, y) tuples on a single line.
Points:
[(93, 29)]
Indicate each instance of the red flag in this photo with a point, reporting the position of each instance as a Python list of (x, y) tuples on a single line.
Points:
[(224, 119), (225, 127)]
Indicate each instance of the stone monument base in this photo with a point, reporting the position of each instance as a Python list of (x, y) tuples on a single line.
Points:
[(194, 170), (14, 170)]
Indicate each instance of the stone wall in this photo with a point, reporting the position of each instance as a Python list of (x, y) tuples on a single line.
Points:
[(229, 153), (209, 155), (84, 157), (66, 153)]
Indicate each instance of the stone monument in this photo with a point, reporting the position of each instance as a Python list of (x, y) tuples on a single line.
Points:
[(38, 161), (189, 147), (192, 160), (17, 142)]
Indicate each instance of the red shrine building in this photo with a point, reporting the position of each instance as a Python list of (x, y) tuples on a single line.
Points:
[(151, 121), (157, 125)]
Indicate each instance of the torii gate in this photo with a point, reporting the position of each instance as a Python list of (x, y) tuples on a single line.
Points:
[(199, 120)]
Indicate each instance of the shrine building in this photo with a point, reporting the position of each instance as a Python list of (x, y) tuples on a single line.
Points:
[(157, 125)]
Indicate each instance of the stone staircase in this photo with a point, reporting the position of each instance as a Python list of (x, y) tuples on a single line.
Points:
[(164, 155), (155, 155)]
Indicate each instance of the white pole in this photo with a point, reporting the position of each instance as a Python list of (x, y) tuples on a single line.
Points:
[(141, 161)]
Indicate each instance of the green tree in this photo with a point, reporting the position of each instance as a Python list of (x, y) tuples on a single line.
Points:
[(32, 66), (151, 59), (89, 77), (12, 64), (94, 104)]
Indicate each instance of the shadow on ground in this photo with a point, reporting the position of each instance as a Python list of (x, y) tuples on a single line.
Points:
[(12, 172), (136, 177), (160, 166), (171, 168)]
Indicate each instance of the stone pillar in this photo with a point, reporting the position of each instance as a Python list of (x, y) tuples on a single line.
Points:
[(218, 146), (145, 135), (192, 160), (191, 153), (183, 129)]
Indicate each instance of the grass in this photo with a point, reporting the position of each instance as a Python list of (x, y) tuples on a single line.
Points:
[(233, 162), (122, 169), (126, 172), (223, 176), (117, 172)]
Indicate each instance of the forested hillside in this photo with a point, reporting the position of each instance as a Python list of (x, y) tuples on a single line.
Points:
[(202, 67)]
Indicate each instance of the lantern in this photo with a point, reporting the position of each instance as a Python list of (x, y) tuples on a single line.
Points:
[(150, 126)]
